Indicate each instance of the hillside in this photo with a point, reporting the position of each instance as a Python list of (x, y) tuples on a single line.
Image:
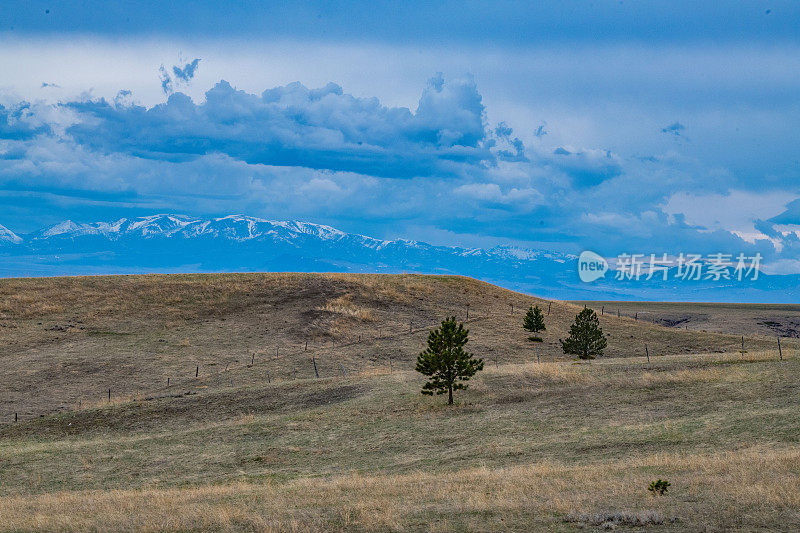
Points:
[(257, 442), (68, 340)]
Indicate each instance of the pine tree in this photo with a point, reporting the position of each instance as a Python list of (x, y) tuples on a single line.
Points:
[(586, 339), (534, 322), (445, 361)]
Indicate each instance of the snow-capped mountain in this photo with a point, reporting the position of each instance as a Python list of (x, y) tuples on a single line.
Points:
[(178, 243), (170, 243), (245, 229), (8, 237)]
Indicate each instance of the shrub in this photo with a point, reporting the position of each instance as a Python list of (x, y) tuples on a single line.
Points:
[(659, 487)]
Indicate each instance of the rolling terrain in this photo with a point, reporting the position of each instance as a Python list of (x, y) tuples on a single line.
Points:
[(258, 430)]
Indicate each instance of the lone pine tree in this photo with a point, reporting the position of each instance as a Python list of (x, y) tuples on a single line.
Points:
[(534, 322), (586, 338), (445, 361)]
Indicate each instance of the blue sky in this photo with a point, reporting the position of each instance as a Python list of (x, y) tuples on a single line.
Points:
[(618, 126)]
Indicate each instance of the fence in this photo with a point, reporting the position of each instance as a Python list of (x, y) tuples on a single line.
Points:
[(195, 378)]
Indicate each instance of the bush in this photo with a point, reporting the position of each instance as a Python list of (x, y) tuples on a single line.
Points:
[(659, 487)]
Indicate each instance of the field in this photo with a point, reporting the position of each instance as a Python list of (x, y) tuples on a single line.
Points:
[(247, 437), (744, 319)]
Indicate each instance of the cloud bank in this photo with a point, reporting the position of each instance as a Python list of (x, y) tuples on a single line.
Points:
[(324, 155)]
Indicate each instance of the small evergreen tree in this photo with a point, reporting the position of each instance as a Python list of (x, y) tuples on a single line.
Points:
[(586, 339), (445, 361), (659, 487), (534, 322)]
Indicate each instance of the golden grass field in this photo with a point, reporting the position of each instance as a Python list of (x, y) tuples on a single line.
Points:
[(256, 442)]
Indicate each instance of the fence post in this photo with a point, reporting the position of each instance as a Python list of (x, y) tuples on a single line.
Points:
[(306, 349), (268, 378), (109, 395), (636, 316), (617, 312), (253, 360), (548, 307), (512, 308), (647, 352), (197, 371), (780, 353), (314, 360), (167, 382), (742, 348), (602, 310)]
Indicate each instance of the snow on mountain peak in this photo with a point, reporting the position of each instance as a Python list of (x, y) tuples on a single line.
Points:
[(242, 228), (8, 237)]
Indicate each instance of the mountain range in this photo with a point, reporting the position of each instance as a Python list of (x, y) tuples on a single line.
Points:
[(238, 243)]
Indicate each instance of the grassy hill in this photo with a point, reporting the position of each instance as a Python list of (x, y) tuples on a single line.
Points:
[(257, 442)]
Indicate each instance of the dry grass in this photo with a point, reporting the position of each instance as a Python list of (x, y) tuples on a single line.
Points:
[(761, 485), (556, 445), (745, 319), (67, 340), (344, 305)]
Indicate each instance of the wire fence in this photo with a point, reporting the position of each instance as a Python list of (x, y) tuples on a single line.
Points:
[(194, 378)]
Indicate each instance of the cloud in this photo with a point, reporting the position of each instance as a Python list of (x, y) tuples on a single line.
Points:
[(585, 167), (20, 122), (676, 129), (514, 148), (181, 76), (186, 73), (791, 215), (324, 155), (295, 126)]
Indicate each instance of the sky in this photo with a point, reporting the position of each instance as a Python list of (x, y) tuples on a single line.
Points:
[(620, 127)]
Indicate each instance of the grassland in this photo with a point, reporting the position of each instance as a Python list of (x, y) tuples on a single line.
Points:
[(767, 320), (257, 442)]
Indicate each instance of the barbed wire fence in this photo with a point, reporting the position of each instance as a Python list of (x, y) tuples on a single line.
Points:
[(382, 332)]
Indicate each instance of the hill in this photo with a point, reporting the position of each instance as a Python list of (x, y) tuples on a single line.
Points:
[(68, 340), (257, 442)]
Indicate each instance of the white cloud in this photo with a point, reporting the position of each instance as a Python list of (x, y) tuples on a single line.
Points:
[(735, 211)]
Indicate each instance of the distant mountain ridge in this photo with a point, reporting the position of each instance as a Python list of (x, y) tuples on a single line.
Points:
[(239, 243), (242, 228)]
